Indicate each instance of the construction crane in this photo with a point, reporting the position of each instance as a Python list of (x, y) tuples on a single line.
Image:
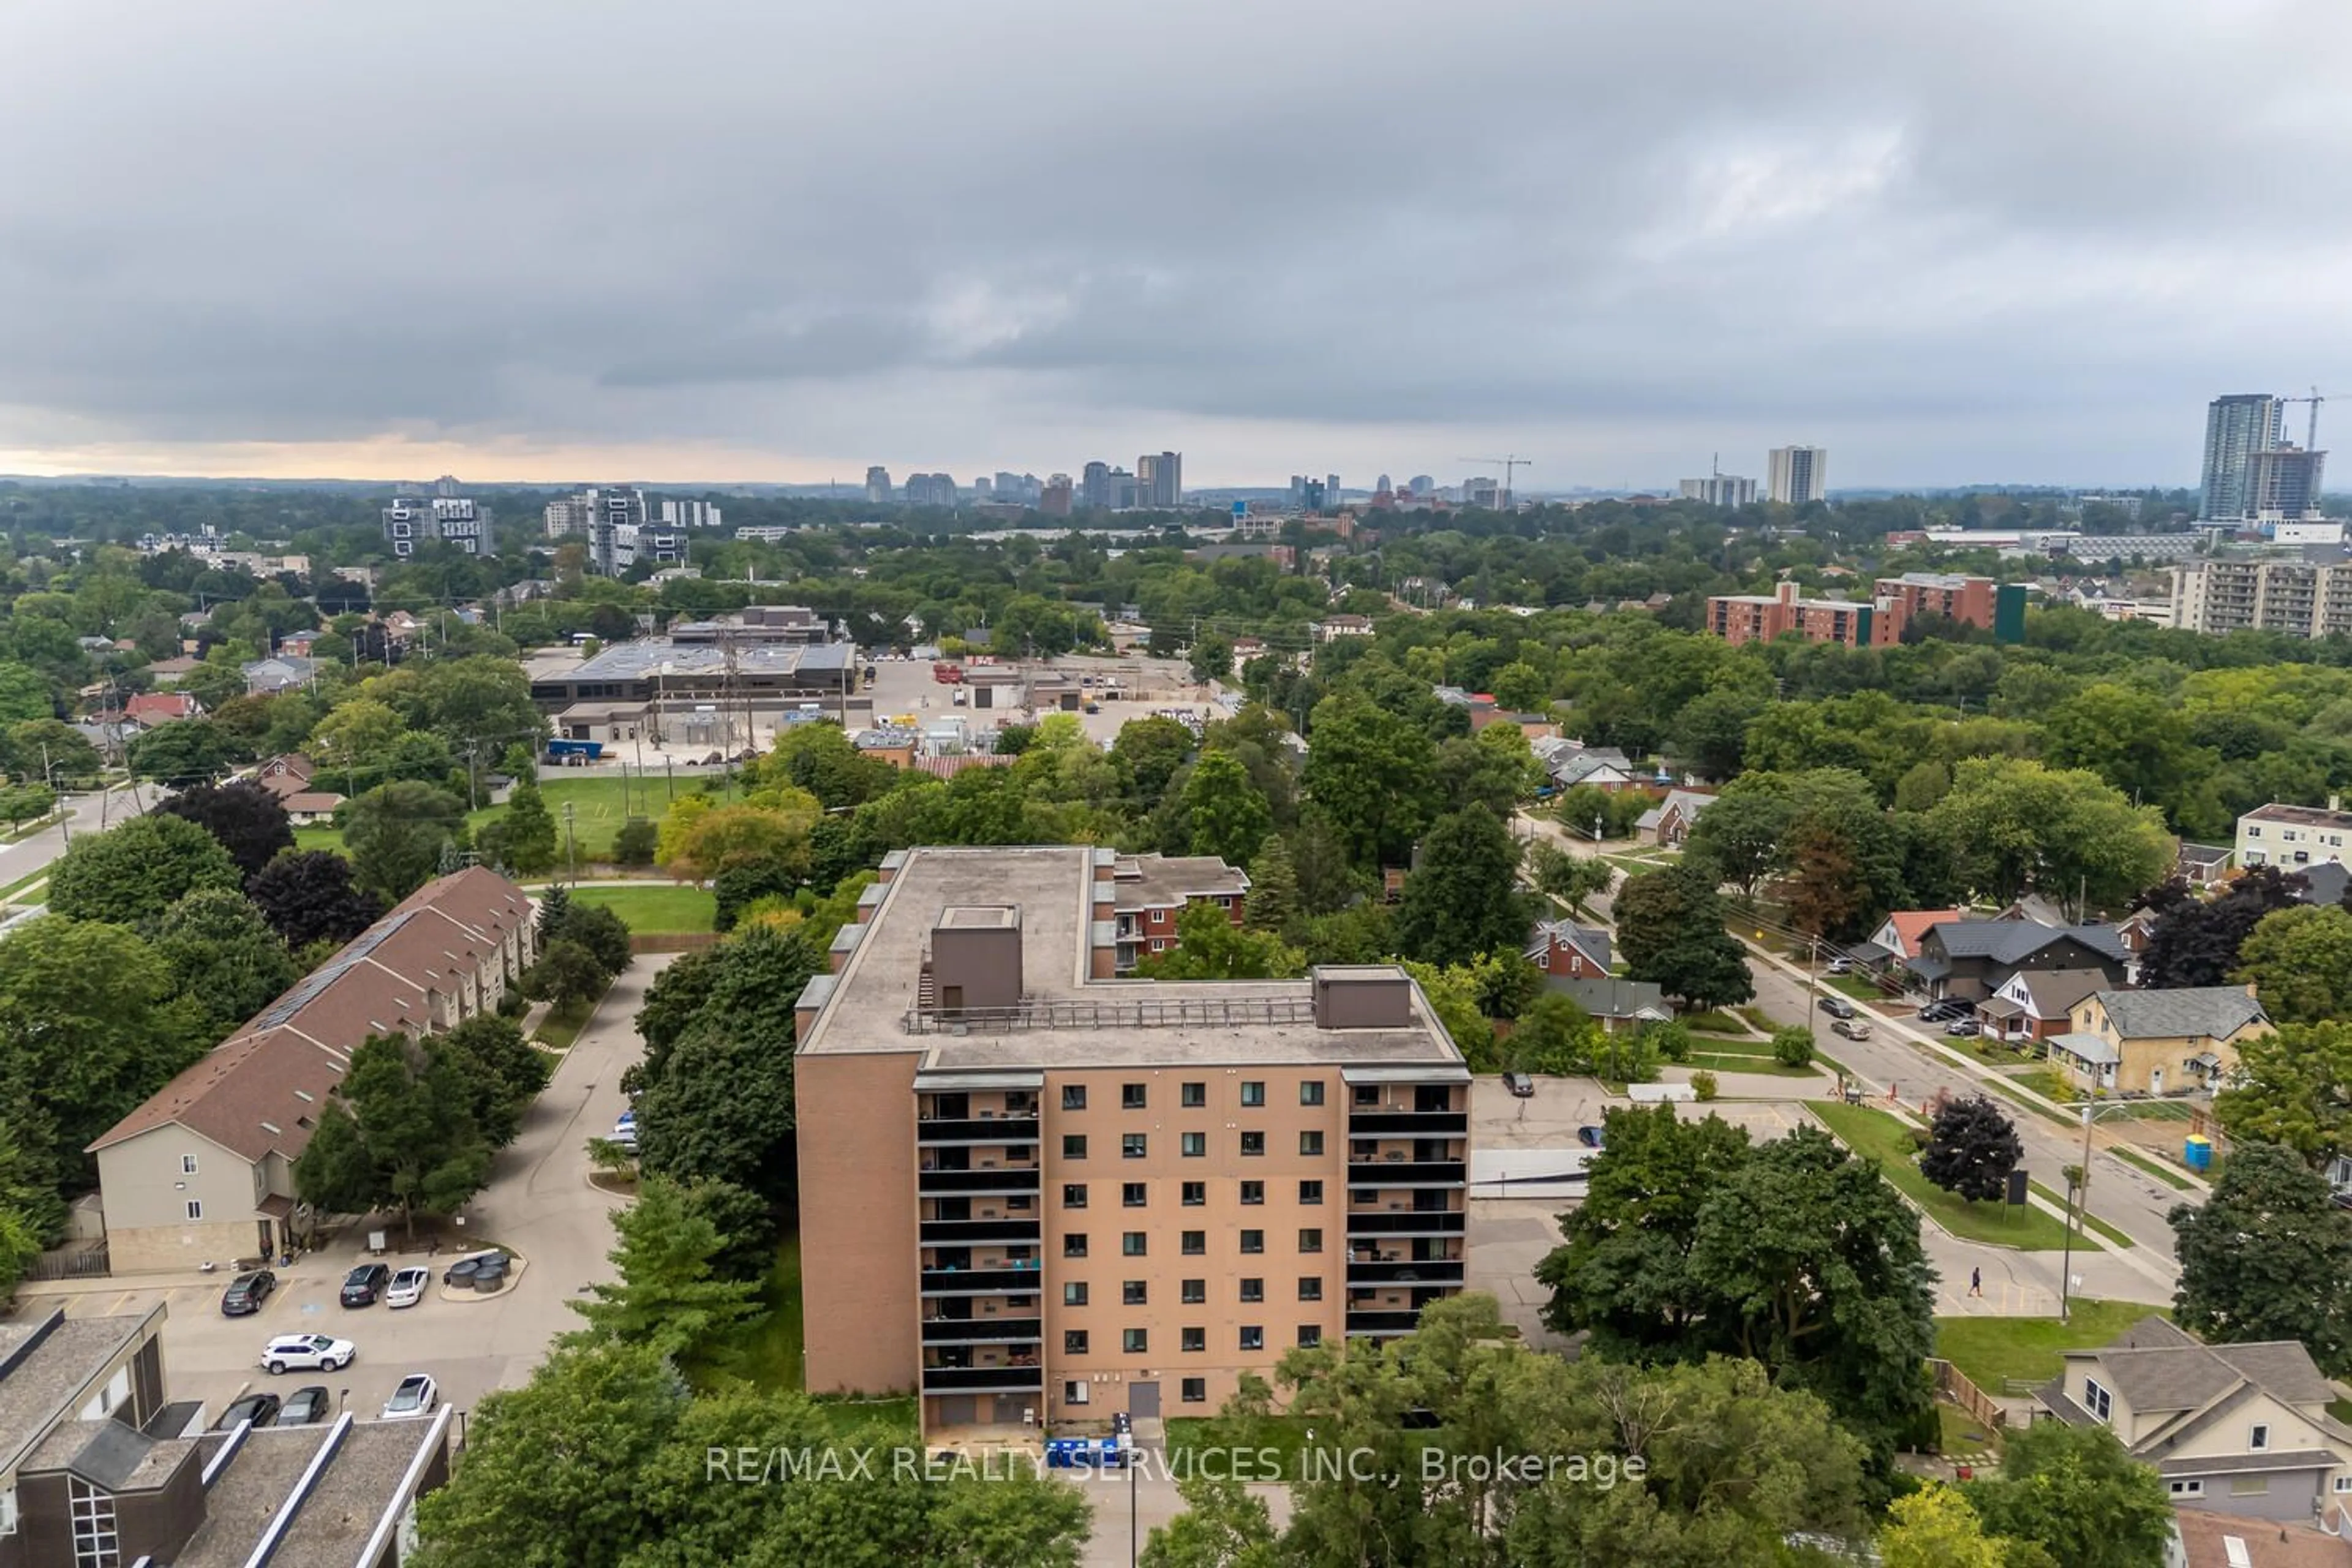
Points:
[(2311, 437), (1509, 465)]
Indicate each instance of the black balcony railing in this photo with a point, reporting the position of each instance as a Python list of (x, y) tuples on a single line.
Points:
[(1007, 1129), (1408, 1123), (986, 1378), (969, 1232), (1407, 1271), (983, 1331), (1003, 1179), (1408, 1222), (1381, 1322), (982, 1281), (1408, 1174)]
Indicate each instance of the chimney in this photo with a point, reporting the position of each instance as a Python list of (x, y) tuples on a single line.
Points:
[(2335, 803)]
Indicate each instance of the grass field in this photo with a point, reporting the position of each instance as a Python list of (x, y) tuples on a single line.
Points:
[(1878, 1137), (771, 1347), (657, 909), (1744, 1055), (561, 1026), (599, 806), (1990, 1350)]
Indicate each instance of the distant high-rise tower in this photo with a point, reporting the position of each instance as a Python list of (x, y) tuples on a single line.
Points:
[(1798, 474), (1094, 486), (878, 485), (1160, 480), (2236, 428), (1384, 484), (1331, 489), (2283, 484), (1422, 484)]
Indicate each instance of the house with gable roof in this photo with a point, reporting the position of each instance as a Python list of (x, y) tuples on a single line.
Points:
[(2159, 1042)]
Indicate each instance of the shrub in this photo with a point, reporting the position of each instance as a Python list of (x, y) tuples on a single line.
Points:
[(1703, 1084), (633, 844), (1792, 1046)]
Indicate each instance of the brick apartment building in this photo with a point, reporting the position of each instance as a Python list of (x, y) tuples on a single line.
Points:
[(1153, 890), (1050, 1194), (1894, 602)]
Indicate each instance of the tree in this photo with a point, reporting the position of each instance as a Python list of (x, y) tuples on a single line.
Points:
[(135, 871), (524, 839), (307, 896), (1495, 768), (566, 974), (1554, 1036), (1229, 818), (502, 1072), (1212, 658), (1739, 839), (633, 844), (1374, 777), (249, 821), (1209, 946), (2077, 1494), (395, 834), (354, 742), (598, 929), (1971, 1148), (1670, 931), (185, 751), (668, 1295), (2016, 825), (2196, 941), (406, 1140), (1571, 878), (1222, 1525), (1935, 1528), (1150, 750), (224, 957), (2299, 961), (1462, 901), (1710, 733), (710, 841), (1272, 904), (50, 750), (1792, 1046), (2268, 1256), (2292, 1087)]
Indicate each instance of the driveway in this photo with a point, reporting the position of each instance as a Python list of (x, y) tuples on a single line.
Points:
[(539, 1203)]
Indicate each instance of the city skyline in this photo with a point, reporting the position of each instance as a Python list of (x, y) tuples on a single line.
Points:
[(1936, 294)]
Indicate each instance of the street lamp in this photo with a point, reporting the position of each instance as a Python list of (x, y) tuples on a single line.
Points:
[(2079, 1191)]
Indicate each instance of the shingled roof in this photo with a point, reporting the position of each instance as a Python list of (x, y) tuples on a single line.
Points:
[(2215, 1012)]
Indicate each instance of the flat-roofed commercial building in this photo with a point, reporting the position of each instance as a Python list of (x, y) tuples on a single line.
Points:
[(1037, 1193)]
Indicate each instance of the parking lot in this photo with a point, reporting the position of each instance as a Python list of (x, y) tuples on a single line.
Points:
[(906, 686)]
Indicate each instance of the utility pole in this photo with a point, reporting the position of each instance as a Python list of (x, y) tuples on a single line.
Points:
[(570, 847), (49, 777)]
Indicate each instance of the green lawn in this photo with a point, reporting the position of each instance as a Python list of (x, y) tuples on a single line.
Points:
[(599, 806), (770, 1344), (2156, 1168), (657, 909), (1712, 1023), (849, 1417), (561, 1026), (1764, 1066), (1990, 1350), (1879, 1137)]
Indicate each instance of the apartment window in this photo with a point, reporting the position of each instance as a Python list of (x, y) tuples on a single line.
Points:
[(1252, 1241), (1252, 1143), (2096, 1399), (1310, 1192), (196, 1208), (1073, 1195), (187, 1164), (1310, 1240), (1074, 1392), (1253, 1193), (2260, 1438), (1132, 1145), (1193, 1096), (1310, 1144), (2343, 1485), (1196, 1194), (2250, 1486), (1074, 1145), (1074, 1245), (1132, 1096), (1196, 1242), (1074, 1097), (1310, 1287), (1135, 1341), (1159, 945), (1253, 1290), (1196, 1391), (1368, 1096), (1252, 1092), (1074, 1342), (2197, 1489), (1134, 1294), (1193, 1339), (1311, 1092), (1131, 1195), (1310, 1334), (1132, 1244), (1253, 1336), (1074, 1293), (1195, 1144)]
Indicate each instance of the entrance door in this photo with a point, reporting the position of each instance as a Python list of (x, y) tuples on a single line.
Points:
[(1143, 1401), (2155, 1081)]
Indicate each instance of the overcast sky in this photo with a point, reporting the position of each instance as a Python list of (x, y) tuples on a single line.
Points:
[(781, 239)]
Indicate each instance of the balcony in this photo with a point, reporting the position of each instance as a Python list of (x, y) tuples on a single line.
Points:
[(1010, 1131), (1407, 1271), (1373, 1124), (1361, 1323), (1003, 1180), (987, 1378), (983, 1331), (982, 1281), (1408, 1222), (1407, 1173), (970, 1232)]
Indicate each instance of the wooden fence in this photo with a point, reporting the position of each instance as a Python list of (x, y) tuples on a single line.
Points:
[(1951, 1384)]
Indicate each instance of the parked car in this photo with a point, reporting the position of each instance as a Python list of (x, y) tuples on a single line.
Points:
[(1938, 1011), (624, 1131), (305, 1406), (1837, 1007), (307, 1352), (1839, 966), (1851, 1029), (1520, 1085), (408, 1287), (416, 1395), (1591, 1137), (1960, 1028), (260, 1409), (363, 1286), (462, 1271), (247, 1292)]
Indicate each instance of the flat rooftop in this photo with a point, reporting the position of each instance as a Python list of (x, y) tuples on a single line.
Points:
[(1074, 1021), (649, 656), (2301, 816)]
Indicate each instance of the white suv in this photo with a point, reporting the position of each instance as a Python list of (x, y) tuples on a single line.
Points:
[(306, 1352)]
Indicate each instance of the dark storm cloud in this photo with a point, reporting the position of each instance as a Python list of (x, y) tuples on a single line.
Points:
[(2002, 239)]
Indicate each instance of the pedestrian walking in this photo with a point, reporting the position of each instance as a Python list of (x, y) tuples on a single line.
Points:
[(1976, 1281)]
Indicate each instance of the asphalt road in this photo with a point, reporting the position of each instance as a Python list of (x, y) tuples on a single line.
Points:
[(85, 814)]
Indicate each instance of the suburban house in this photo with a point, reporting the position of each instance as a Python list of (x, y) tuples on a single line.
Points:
[(1151, 891), (169, 673), (1331, 628), (1566, 951), (97, 1465), (1971, 960), (1896, 940), (203, 1172), (2237, 1429), (2291, 835), (2203, 864), (1573, 763), (2035, 1004), (310, 806), (1614, 1004), (2202, 1539), (1669, 821), (2326, 884), (288, 772), (2159, 1042), (150, 709), (267, 676)]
